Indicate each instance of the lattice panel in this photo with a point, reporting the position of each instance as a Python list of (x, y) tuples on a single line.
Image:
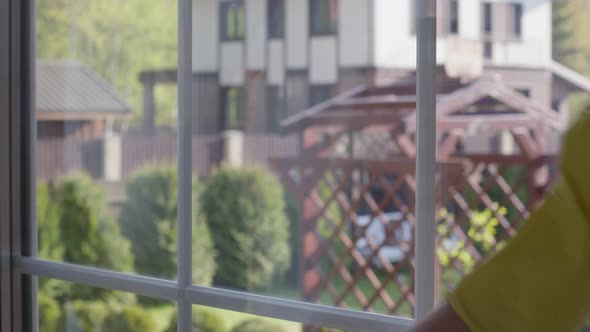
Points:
[(358, 224), (365, 260), (479, 210)]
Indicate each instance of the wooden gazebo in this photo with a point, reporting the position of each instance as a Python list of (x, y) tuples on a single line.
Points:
[(357, 158)]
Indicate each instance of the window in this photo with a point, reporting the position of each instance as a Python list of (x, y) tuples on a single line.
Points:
[(232, 20), (488, 49), (319, 93), (487, 18), (454, 17), (232, 109), (516, 14), (157, 224), (323, 17), (524, 91), (276, 106), (276, 18)]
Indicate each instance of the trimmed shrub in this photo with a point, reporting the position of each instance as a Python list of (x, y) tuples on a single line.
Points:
[(258, 325), (130, 319), (90, 235), (149, 220), (75, 227), (203, 321), (245, 210)]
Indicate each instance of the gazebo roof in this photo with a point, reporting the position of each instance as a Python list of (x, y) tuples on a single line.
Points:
[(486, 101)]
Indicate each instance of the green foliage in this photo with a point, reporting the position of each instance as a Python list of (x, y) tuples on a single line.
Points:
[(149, 220), (130, 319), (292, 213), (48, 224), (245, 210), (86, 316), (118, 39), (89, 234), (481, 231), (571, 45), (203, 321), (257, 325), (50, 313), (74, 226)]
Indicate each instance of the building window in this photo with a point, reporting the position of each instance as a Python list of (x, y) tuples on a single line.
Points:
[(454, 17), (487, 18), (319, 93), (276, 107), (516, 13), (488, 50), (232, 20), (232, 109), (525, 92), (276, 18), (323, 17)]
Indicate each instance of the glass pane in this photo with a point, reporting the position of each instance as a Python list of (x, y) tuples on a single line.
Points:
[(217, 320), (506, 98), (106, 133), (301, 202), (68, 307)]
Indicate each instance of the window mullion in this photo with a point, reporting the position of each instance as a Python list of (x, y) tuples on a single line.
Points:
[(184, 257), (426, 156)]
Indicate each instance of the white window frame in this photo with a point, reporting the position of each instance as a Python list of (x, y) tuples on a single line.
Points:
[(182, 291)]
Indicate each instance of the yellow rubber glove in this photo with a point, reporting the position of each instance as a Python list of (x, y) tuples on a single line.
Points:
[(541, 280)]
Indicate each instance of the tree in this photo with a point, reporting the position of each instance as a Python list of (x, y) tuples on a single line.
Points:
[(245, 210), (571, 45), (117, 39), (149, 220)]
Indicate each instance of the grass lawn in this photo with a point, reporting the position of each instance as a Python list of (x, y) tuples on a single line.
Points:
[(364, 285)]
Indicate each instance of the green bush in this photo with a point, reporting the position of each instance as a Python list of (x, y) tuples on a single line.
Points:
[(84, 316), (89, 234), (245, 210), (203, 321), (481, 230), (149, 220), (49, 313), (75, 227), (257, 325), (292, 213), (48, 224), (130, 319)]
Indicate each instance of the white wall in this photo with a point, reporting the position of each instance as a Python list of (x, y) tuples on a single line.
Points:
[(534, 50), (232, 64), (323, 68), (394, 45), (470, 19), (296, 33), (354, 32), (205, 35), (276, 62), (255, 34)]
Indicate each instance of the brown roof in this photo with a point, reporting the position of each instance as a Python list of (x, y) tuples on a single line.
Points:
[(68, 90)]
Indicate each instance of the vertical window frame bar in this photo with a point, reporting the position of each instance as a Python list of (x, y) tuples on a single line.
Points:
[(426, 157), (184, 250)]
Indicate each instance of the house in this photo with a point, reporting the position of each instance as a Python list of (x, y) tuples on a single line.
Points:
[(259, 61), (74, 102), (75, 109)]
